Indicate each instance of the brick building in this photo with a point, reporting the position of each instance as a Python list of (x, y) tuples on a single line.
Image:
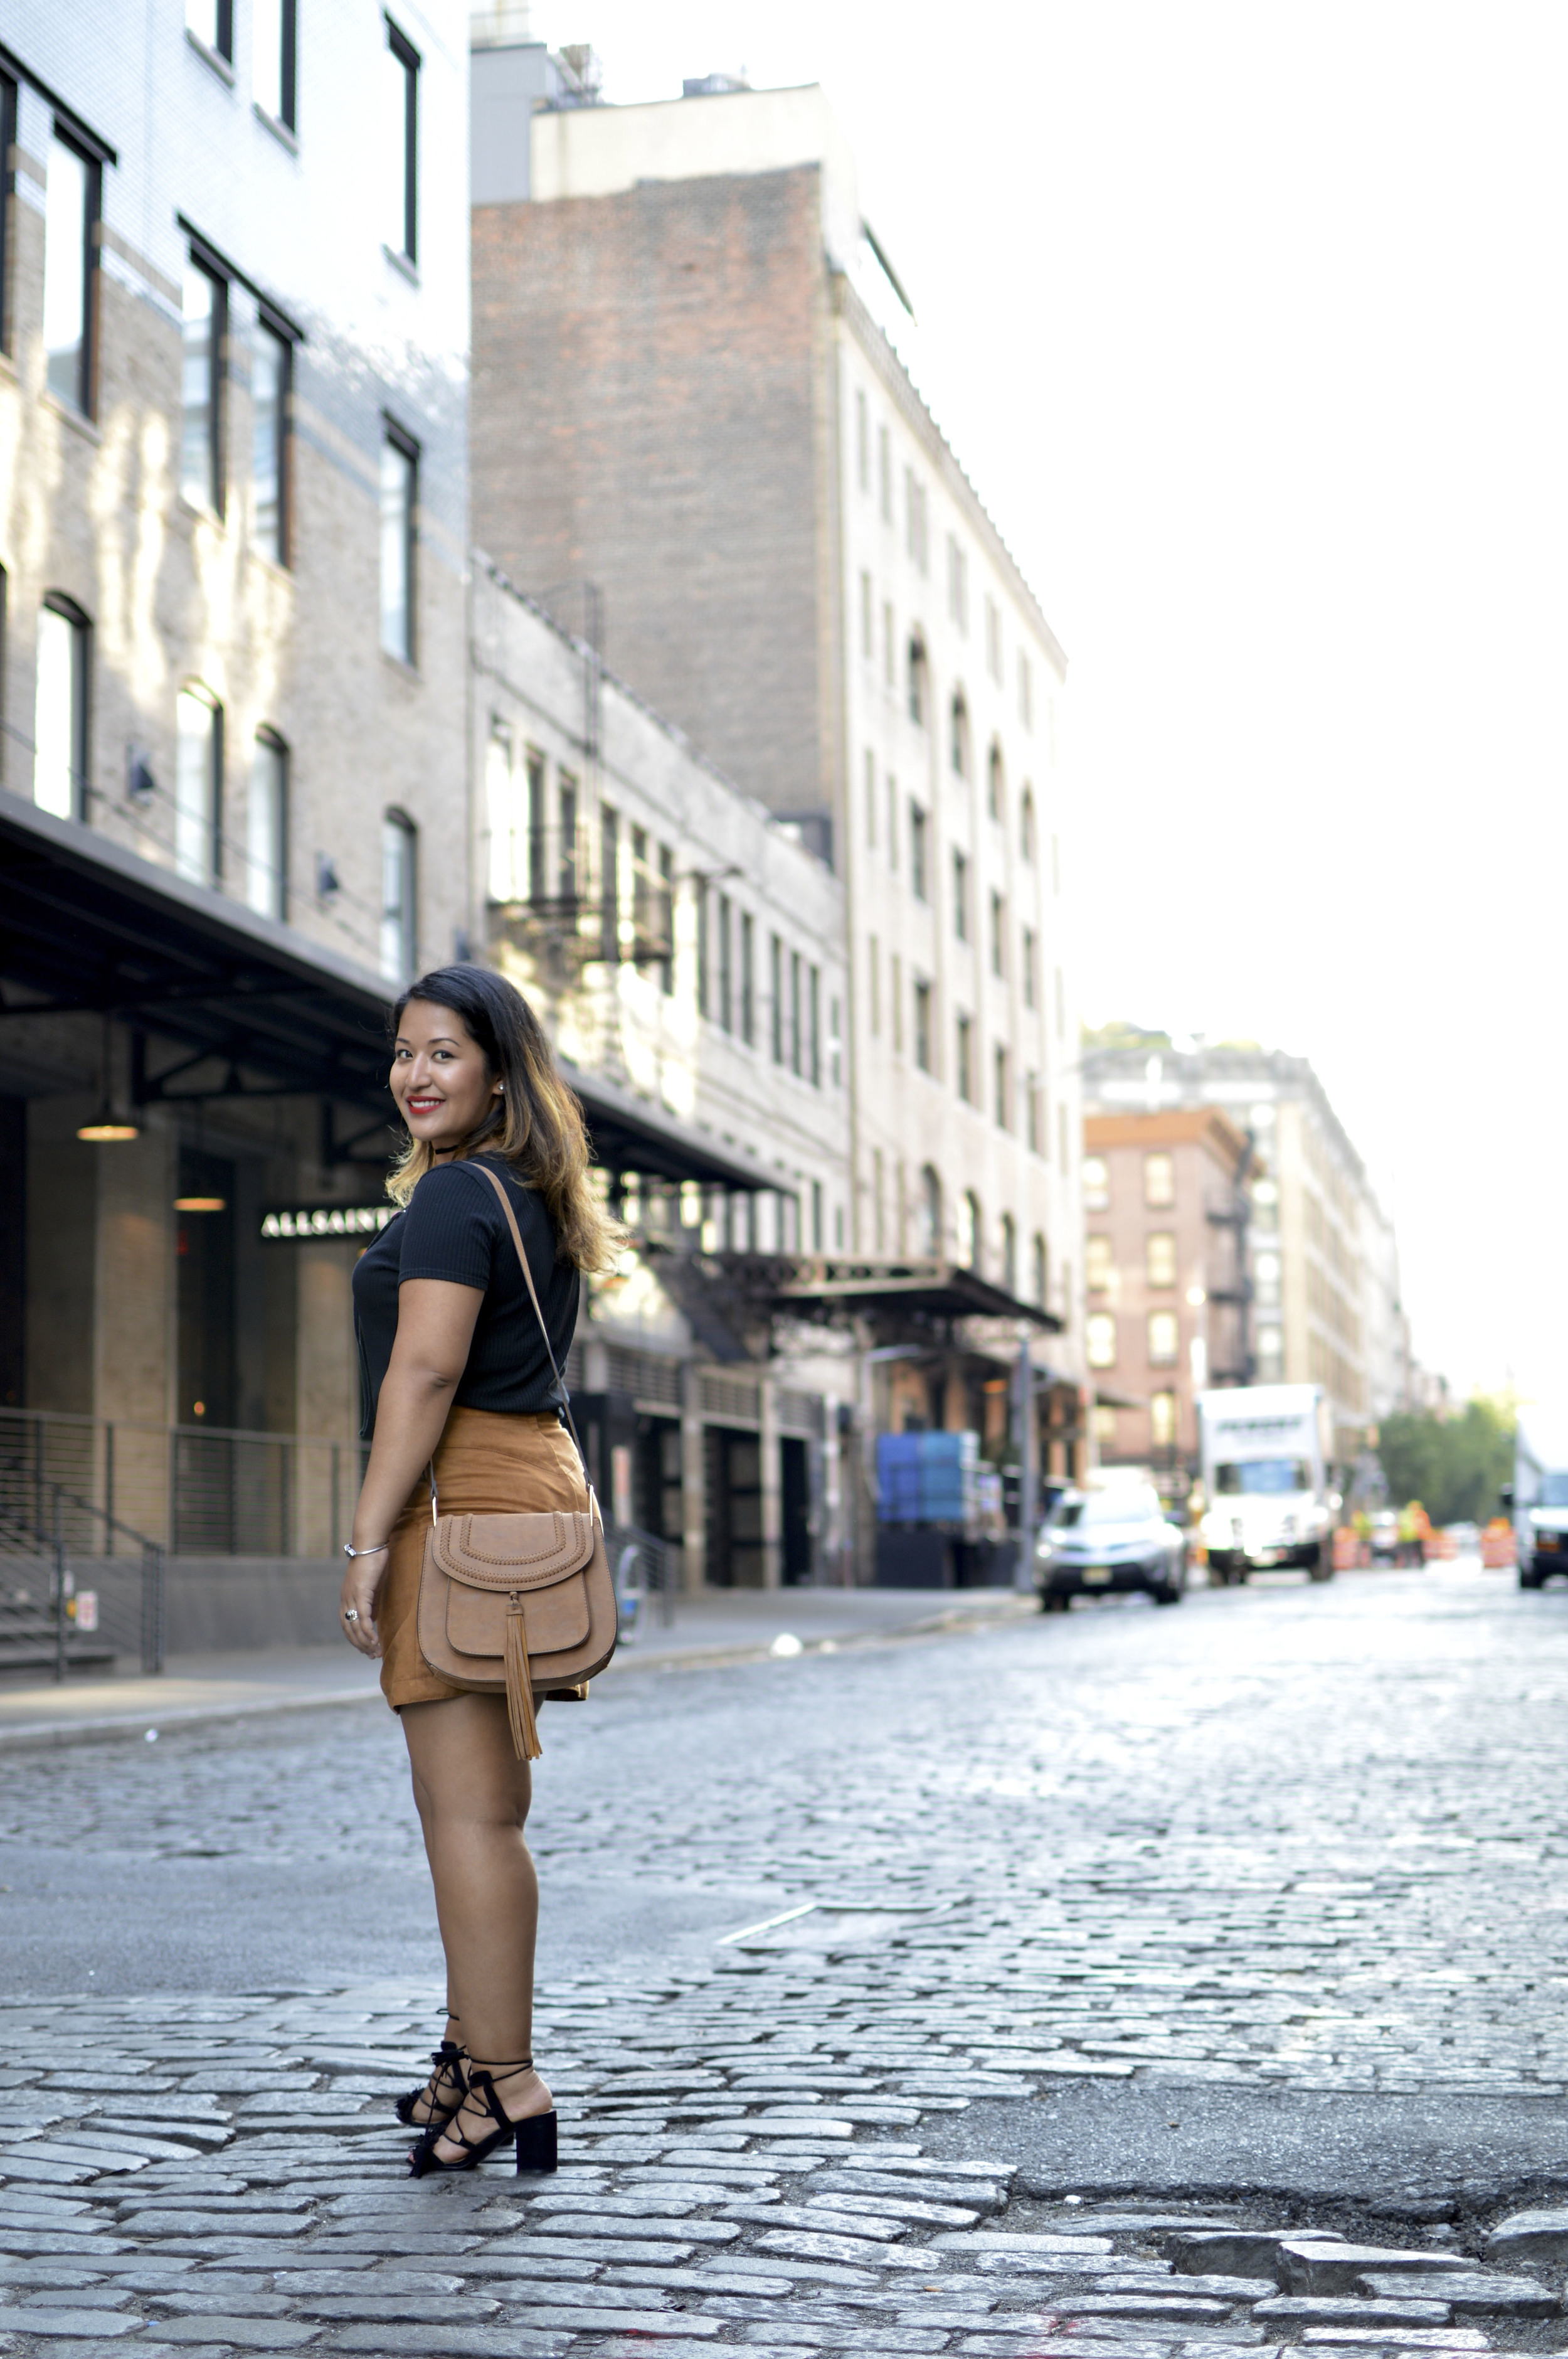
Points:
[(684, 395), (1166, 1204), (1323, 1269)]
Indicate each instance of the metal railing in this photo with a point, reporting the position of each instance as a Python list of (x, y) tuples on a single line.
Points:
[(199, 1490), (643, 1567), (51, 1619)]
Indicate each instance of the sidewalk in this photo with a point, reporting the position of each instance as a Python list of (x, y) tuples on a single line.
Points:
[(721, 1627)]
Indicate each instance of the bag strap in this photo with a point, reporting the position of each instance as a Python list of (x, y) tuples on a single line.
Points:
[(559, 1393)]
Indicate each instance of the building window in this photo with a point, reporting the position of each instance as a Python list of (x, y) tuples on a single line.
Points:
[(777, 980), (888, 648), (922, 1025), (266, 827), (999, 935), (211, 22), (60, 712), (507, 846), (993, 639), (1099, 1267), (1159, 1258), (957, 584), (1164, 1336), (665, 918), (878, 1218), (960, 751), (819, 1220), (726, 1009), (1001, 1106), (871, 798), (916, 525), (1061, 1004), (1027, 824), (1025, 691), (401, 132), (918, 682), (399, 488), (204, 330), (874, 986), (969, 1230), (928, 1215), (1097, 1184), (867, 635), (1010, 1253), (884, 473), (571, 861), (814, 1027), (198, 783), (609, 884), (963, 1076), (1162, 1420), (1159, 1180), (917, 852), (70, 221), (1041, 1270), (1034, 1105), (7, 142), (796, 1028), (272, 369), (862, 441), (834, 1042), (960, 896), (399, 929), (996, 782), (896, 1000), (1030, 959), (1063, 1151), (274, 57), (892, 822), (1099, 1339)]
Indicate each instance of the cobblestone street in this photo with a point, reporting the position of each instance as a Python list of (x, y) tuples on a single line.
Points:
[(1129, 1983)]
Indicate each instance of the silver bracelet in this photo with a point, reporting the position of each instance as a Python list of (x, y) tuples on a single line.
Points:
[(350, 1549)]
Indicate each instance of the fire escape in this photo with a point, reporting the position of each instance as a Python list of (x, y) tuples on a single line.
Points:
[(1232, 1211)]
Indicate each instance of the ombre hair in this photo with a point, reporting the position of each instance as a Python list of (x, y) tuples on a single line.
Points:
[(536, 1123)]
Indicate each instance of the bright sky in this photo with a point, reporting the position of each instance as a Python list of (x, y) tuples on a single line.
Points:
[(1247, 323)]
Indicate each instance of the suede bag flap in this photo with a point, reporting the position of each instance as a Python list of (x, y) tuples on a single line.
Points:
[(513, 1552)]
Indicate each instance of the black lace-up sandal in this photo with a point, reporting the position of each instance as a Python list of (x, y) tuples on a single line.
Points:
[(442, 2093), (534, 2137)]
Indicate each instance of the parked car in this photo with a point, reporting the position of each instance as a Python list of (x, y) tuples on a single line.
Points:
[(1118, 1538)]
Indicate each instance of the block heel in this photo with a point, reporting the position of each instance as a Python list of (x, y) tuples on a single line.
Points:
[(536, 2143)]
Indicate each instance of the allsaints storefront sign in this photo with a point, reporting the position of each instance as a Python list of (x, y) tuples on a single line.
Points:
[(295, 1224)]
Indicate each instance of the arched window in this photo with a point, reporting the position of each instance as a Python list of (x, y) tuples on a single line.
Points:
[(399, 913), (960, 745), (1041, 1270), (996, 783), (917, 681), (266, 827), (969, 1229), (1010, 1253), (929, 1214), (60, 712), (1026, 824), (198, 783)]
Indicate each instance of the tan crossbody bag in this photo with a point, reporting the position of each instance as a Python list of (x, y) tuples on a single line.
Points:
[(522, 1605)]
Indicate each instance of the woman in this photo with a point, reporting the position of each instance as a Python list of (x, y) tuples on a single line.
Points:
[(456, 1379)]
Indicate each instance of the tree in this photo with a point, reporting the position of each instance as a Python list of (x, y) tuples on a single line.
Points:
[(1455, 1465)]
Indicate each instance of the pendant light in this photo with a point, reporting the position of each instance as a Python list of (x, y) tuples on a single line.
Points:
[(109, 1124)]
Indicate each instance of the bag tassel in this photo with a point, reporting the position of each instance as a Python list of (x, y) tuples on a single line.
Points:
[(519, 1690)]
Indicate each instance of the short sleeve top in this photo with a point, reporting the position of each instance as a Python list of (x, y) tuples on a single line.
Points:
[(454, 1229)]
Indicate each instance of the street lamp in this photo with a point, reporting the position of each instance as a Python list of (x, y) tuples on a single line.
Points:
[(108, 1125)]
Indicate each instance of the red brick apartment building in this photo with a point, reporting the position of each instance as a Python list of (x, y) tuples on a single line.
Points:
[(1164, 1208)]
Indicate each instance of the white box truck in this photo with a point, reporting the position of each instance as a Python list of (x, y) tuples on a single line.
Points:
[(1541, 1494), (1267, 1451)]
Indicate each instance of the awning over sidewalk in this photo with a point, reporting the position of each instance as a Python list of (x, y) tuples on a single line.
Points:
[(933, 1289), (225, 1003)]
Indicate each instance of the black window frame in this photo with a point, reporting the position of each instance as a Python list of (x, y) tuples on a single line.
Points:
[(395, 437), (268, 324), (610, 883), (198, 258), (224, 29), (408, 58), (748, 979), (395, 817), (8, 100), (212, 819), (274, 739), (63, 130), (776, 975), (58, 602)]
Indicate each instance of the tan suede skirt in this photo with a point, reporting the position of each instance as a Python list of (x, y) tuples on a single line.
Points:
[(486, 1463)]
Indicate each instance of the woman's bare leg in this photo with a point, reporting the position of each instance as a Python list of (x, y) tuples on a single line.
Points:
[(472, 1795)]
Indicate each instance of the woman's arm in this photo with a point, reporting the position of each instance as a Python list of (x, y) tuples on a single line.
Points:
[(435, 1328)]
